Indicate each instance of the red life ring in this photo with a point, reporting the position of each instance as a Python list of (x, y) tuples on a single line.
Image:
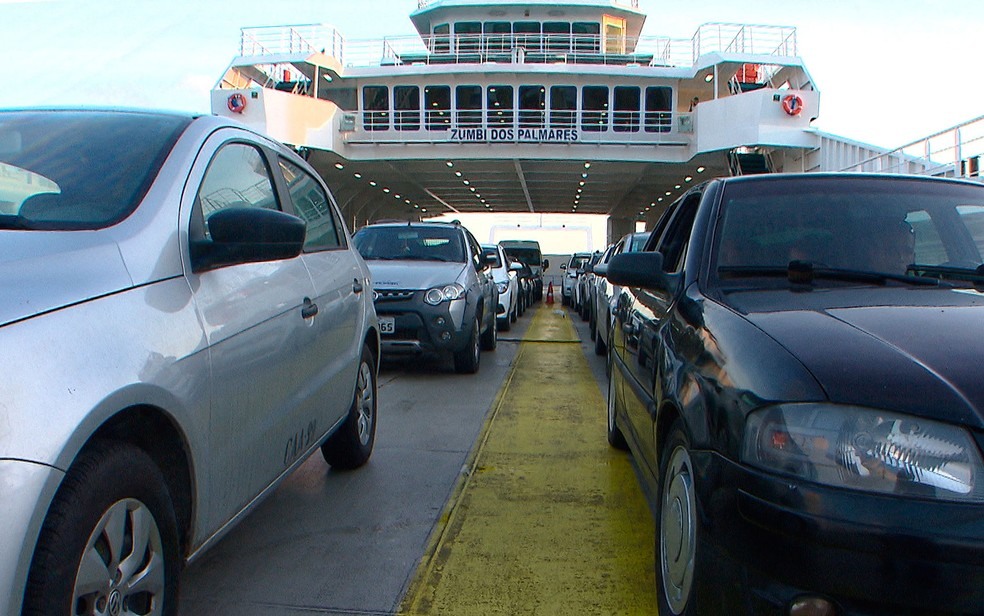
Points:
[(237, 103), (792, 104)]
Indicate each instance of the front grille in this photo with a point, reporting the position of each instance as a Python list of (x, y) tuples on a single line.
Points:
[(389, 295)]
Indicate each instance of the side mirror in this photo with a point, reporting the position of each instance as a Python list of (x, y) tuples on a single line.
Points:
[(642, 269), (546, 264), (248, 235), (563, 266), (515, 267), (601, 269)]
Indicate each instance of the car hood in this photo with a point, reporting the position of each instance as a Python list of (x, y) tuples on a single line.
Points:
[(413, 274), (911, 350), (42, 271)]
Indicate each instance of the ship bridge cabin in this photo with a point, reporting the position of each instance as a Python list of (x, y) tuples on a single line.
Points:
[(505, 106)]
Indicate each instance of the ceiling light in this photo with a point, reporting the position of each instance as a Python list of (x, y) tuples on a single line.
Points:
[(668, 193), (465, 182), (709, 77), (700, 170), (677, 187), (471, 188), (339, 166), (423, 209), (584, 175), (449, 164), (581, 183), (386, 190), (371, 183), (688, 178), (358, 176), (457, 173), (587, 165)]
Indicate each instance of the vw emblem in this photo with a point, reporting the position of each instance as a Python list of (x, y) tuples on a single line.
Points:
[(115, 603)]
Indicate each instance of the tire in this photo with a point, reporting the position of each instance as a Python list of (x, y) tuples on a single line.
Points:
[(600, 347), (512, 315), (113, 491), (593, 327), (351, 445), (677, 527), (504, 325), (615, 437), (490, 338), (466, 360)]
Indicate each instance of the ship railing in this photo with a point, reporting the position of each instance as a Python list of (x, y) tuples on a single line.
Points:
[(957, 151), (519, 48), (465, 126)]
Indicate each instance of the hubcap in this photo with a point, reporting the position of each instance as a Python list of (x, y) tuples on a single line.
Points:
[(122, 567), (678, 531), (365, 402)]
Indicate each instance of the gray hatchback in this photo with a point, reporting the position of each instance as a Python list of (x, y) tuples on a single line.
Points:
[(184, 321)]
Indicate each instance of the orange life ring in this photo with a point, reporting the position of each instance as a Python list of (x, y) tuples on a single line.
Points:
[(792, 104), (237, 103)]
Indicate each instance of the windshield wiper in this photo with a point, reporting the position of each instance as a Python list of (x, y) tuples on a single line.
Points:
[(974, 274), (805, 272), (13, 221)]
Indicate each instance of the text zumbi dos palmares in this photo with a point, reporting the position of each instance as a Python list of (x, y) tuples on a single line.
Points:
[(534, 135)]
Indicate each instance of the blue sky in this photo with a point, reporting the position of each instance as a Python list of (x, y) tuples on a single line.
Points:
[(889, 72)]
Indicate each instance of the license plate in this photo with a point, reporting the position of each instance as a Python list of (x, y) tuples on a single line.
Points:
[(387, 325)]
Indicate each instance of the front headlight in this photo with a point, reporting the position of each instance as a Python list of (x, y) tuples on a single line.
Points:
[(866, 449), (446, 293), (502, 287)]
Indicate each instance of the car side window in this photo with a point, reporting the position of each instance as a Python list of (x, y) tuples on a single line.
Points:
[(237, 176), (313, 204), (676, 239), (476, 251)]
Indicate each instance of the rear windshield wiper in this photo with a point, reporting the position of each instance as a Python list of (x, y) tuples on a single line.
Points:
[(805, 272)]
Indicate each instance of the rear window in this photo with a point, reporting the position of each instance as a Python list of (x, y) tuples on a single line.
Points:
[(68, 170)]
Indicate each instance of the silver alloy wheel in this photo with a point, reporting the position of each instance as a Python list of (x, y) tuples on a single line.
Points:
[(678, 530), (365, 402), (122, 566)]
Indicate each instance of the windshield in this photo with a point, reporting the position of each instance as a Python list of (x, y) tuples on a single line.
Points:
[(410, 243), (866, 225), (529, 256), (577, 262), (66, 170)]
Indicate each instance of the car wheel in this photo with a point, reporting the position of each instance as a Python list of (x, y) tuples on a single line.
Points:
[(677, 527), (467, 359), (512, 315), (490, 337), (615, 437), (504, 324), (592, 327), (351, 445), (109, 544)]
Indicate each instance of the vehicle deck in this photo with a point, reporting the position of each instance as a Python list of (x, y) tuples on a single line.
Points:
[(489, 494)]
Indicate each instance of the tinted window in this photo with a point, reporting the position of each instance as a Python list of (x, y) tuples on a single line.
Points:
[(469, 105), (312, 204), (594, 108), (626, 113), (563, 105), (437, 102), (237, 176), (406, 106), (375, 105), (66, 170), (658, 104), (500, 104), (532, 102)]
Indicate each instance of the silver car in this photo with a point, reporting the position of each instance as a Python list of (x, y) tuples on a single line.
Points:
[(184, 321)]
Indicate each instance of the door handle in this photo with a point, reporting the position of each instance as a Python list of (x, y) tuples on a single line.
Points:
[(356, 286), (309, 309)]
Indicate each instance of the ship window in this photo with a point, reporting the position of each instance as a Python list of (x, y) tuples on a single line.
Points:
[(499, 105), (557, 36), (375, 107), (527, 35), (467, 35), (406, 107), (442, 39), (625, 115), (532, 103), (468, 105), (658, 105), (347, 99), (563, 106), (498, 36), (437, 101), (594, 108), (587, 36)]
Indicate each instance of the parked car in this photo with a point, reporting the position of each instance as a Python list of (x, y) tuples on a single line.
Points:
[(568, 288), (797, 373), (183, 322), (528, 251), (527, 284), (601, 315), (433, 290), (585, 286), (506, 280)]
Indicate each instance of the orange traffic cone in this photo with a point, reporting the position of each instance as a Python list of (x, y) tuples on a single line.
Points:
[(550, 293)]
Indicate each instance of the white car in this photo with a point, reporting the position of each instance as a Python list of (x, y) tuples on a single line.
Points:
[(184, 321), (504, 273)]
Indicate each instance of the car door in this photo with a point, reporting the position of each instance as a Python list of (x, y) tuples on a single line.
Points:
[(647, 315), (339, 282), (256, 318)]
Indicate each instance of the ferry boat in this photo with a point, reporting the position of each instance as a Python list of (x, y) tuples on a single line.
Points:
[(534, 106)]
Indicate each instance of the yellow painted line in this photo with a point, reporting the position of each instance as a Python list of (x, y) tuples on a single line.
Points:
[(548, 518)]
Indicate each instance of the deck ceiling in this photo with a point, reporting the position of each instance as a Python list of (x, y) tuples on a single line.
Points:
[(401, 189)]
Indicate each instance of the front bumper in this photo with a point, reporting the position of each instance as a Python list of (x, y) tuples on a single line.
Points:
[(25, 491), (422, 328), (767, 541)]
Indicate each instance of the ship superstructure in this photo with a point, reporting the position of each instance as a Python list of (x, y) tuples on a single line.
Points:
[(526, 106)]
